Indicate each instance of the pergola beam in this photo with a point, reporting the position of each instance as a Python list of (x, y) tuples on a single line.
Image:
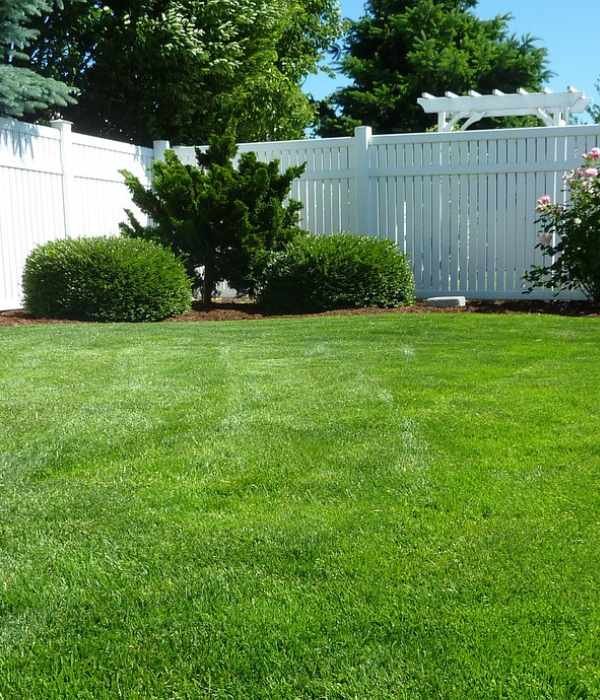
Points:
[(552, 108)]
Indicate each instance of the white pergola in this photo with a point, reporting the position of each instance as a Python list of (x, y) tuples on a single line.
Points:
[(553, 109)]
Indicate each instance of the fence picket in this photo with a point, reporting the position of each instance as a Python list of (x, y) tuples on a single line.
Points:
[(491, 233), (429, 202), (455, 254)]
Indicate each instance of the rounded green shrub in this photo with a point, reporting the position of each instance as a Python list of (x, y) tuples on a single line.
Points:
[(105, 279), (318, 273)]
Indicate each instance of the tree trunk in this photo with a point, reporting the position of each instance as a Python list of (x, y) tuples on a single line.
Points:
[(208, 283)]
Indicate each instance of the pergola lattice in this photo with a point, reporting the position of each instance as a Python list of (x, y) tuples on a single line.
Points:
[(554, 109)]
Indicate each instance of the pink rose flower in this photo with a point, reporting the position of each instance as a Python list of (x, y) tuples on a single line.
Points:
[(544, 202), (594, 154), (590, 172)]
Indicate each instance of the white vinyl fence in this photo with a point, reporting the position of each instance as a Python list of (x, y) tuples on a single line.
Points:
[(57, 184), (460, 205)]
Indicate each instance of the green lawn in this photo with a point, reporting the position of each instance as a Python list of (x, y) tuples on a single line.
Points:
[(369, 507)]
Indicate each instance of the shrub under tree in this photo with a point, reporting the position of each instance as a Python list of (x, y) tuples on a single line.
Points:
[(217, 216)]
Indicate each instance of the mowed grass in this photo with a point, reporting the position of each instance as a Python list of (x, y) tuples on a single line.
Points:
[(356, 507)]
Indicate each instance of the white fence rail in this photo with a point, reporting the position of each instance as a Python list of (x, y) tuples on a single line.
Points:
[(460, 205)]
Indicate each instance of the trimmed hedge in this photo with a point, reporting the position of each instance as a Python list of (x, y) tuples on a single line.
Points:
[(318, 273), (105, 279)]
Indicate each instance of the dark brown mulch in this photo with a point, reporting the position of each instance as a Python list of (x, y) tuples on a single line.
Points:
[(529, 306), (248, 312), (233, 311), (20, 318)]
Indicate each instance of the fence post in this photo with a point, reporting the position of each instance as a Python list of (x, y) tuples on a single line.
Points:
[(66, 137), (159, 149), (362, 139)]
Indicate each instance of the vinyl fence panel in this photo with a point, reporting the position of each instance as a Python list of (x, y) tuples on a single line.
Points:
[(464, 208), (55, 184), (460, 205)]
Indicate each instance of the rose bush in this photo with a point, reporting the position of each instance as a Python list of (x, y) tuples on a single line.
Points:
[(570, 236)]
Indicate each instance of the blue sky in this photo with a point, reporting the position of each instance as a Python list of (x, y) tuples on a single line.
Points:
[(568, 29)]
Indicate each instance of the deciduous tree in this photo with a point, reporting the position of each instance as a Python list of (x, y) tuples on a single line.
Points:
[(184, 69)]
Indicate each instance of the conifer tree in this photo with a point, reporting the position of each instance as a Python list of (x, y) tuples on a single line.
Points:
[(594, 109), (402, 48), (218, 217), (23, 91)]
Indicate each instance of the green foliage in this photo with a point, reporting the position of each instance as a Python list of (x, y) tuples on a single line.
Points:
[(105, 279), (401, 48), (570, 239), (185, 69), (317, 273), (594, 109), (217, 216), (21, 89)]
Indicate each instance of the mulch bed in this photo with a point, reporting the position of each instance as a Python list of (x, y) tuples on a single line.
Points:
[(246, 312)]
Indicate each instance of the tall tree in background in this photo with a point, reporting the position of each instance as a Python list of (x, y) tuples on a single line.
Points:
[(594, 109), (183, 69), (21, 90), (402, 48)]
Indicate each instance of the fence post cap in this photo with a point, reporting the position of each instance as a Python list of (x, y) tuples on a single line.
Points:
[(358, 130), (62, 124)]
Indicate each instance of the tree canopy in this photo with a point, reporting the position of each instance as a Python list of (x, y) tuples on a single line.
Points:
[(184, 69), (594, 109), (401, 48), (23, 91)]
